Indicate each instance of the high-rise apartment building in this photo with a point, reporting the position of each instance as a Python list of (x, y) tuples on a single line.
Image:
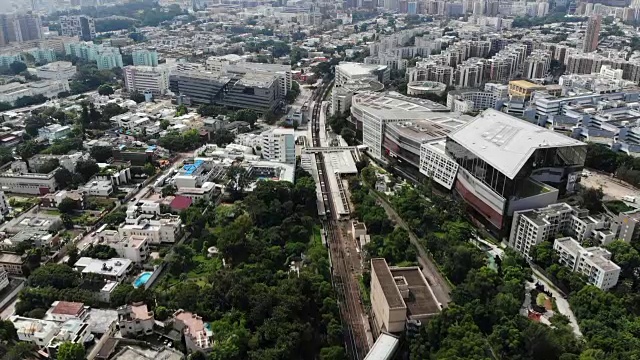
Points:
[(279, 145), (146, 57), (81, 26), (146, 79), (19, 28), (592, 34)]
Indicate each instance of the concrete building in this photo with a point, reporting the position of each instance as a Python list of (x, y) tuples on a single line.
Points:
[(38, 332), (59, 70), (403, 140), (43, 55), (374, 111), (23, 182), (54, 132), (114, 270), (537, 65), (523, 89), (165, 229), (592, 34), (281, 72), (260, 92), (531, 227), (134, 247), (135, 320), (81, 26), (146, 79), (145, 57), (61, 311), (217, 63), (507, 165), (109, 58), (195, 87), (348, 71), (279, 145), (436, 165), (102, 188), (4, 279), (11, 263), (11, 92), (198, 336), (593, 262), (401, 298)]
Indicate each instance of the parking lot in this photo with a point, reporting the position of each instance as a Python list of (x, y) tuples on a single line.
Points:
[(613, 188)]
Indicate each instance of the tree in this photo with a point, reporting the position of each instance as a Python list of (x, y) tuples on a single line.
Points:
[(8, 332), (26, 150), (58, 276), (181, 110), (223, 137), (149, 169), (63, 178), (71, 351), (169, 190), (67, 205), (87, 168), (591, 199), (105, 90), (21, 351), (101, 153), (164, 124), (67, 221), (246, 115), (238, 179), (99, 251), (137, 97), (161, 313), (17, 67), (115, 217)]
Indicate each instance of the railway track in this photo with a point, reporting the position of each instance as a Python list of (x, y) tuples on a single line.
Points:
[(344, 279)]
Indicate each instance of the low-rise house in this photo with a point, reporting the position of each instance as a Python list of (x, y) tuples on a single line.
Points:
[(197, 336), (115, 269), (134, 247), (102, 188), (62, 311), (54, 200), (11, 263), (39, 332), (37, 238), (54, 132), (74, 330), (135, 320)]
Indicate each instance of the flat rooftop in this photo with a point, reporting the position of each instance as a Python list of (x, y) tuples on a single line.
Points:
[(527, 85), (384, 347), (506, 142), (355, 69), (388, 284), (394, 106), (434, 126), (421, 300)]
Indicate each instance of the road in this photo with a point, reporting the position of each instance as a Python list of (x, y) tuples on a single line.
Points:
[(439, 284)]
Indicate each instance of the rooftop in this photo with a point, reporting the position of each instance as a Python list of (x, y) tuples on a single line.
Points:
[(506, 142), (384, 347), (421, 300), (355, 69), (394, 106), (388, 284), (527, 85), (67, 308), (113, 267)]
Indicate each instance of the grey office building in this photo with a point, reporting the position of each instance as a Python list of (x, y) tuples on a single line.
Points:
[(260, 92)]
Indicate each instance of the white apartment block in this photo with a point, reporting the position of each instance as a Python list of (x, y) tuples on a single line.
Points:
[(134, 247), (217, 63), (115, 269), (144, 79), (39, 332), (102, 188), (165, 229), (4, 279), (27, 183), (54, 132), (593, 262), (436, 165), (11, 92), (279, 145), (59, 70), (531, 227)]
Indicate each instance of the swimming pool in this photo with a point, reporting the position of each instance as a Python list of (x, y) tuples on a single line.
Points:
[(142, 279)]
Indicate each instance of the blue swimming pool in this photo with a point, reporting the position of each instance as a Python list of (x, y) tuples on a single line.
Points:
[(142, 279)]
